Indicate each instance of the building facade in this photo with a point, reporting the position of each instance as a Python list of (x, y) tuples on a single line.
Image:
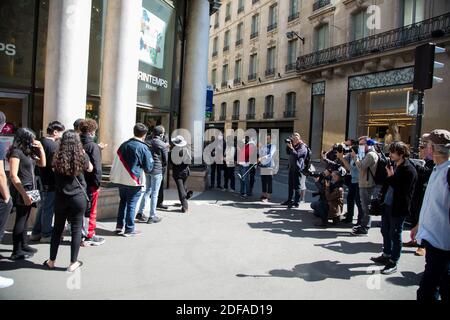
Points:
[(117, 61), (329, 69)]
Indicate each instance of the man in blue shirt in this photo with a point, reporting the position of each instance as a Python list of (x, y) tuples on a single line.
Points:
[(433, 230)]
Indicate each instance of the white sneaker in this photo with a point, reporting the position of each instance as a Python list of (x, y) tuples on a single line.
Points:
[(6, 282)]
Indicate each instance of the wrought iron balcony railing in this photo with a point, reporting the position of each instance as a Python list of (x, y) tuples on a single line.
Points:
[(291, 67), (222, 118), (268, 115), (270, 72), (293, 16), (216, 26), (224, 84), (240, 9), (239, 42), (394, 39), (235, 117), (289, 114), (273, 26), (254, 35), (214, 54), (226, 48), (227, 18), (254, 1), (252, 77), (251, 116), (237, 82), (320, 4)]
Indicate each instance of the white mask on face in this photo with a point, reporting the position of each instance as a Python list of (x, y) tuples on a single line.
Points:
[(362, 152)]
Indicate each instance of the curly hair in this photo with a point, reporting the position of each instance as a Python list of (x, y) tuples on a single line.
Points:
[(70, 160), (88, 125), (23, 140)]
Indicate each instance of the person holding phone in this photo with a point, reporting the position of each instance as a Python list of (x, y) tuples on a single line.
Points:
[(25, 153)]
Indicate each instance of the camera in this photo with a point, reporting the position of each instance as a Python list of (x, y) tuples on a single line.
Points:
[(288, 141)]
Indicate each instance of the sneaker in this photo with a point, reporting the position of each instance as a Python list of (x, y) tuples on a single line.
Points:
[(46, 240), (359, 232), (244, 196), (286, 203), (28, 249), (154, 220), (162, 207), (6, 282), (21, 256), (390, 268), (420, 252), (293, 205), (119, 231), (35, 237), (95, 241), (135, 233), (141, 219), (383, 260), (303, 202)]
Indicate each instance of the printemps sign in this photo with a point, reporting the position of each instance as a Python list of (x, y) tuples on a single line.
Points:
[(7, 48)]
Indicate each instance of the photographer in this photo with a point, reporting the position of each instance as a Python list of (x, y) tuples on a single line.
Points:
[(349, 162), (297, 152)]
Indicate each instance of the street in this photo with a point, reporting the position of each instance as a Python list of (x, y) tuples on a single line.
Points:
[(225, 248)]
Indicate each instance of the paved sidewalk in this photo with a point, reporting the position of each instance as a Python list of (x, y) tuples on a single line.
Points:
[(225, 248)]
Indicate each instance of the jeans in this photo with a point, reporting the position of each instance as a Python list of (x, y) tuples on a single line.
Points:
[(20, 226), (5, 210), (392, 229), (352, 199), (320, 209), (230, 180), (44, 215), (245, 182), (294, 186), (436, 278), (252, 180), (216, 169), (151, 193), (366, 194), (129, 196), (71, 209)]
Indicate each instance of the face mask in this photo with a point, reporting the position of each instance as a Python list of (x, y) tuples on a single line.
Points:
[(362, 152)]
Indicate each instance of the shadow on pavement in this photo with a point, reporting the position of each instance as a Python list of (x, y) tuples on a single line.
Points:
[(352, 247), (318, 271), (25, 264), (408, 279)]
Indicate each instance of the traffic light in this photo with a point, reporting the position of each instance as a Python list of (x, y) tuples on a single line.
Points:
[(425, 65)]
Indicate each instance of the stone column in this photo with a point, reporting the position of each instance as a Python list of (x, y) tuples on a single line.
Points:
[(66, 69), (119, 74), (195, 77)]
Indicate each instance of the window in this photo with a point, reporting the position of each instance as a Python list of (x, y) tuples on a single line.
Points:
[(253, 66), (293, 10), (228, 12), (236, 109), (255, 26), (360, 29), (240, 6), (292, 51), (291, 98), (224, 75), (214, 77), (322, 37), (223, 111), (226, 41), (216, 21), (270, 68), (251, 108), (239, 31), (269, 107), (215, 46), (413, 11), (238, 70), (272, 18)]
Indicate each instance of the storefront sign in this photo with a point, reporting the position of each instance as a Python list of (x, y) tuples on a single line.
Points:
[(153, 83), (7, 48)]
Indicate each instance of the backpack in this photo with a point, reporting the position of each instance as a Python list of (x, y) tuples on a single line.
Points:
[(307, 163), (380, 174)]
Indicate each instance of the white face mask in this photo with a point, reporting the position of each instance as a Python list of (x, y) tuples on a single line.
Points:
[(362, 152)]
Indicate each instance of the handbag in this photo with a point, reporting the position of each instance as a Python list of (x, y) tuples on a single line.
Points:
[(34, 194), (376, 207), (84, 191)]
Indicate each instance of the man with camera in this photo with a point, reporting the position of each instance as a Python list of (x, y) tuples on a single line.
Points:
[(297, 152)]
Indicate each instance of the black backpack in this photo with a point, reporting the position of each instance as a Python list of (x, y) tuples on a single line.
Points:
[(380, 174)]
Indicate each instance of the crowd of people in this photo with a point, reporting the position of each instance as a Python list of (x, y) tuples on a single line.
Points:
[(380, 180)]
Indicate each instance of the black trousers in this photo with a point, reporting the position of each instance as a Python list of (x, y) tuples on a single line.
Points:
[(19, 232), (71, 209), (216, 172), (161, 191), (230, 179), (182, 191), (266, 182), (5, 210), (294, 186), (252, 179)]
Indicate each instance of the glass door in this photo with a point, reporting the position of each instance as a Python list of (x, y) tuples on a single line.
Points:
[(15, 107)]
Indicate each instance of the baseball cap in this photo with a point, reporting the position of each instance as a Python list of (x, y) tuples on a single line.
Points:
[(439, 137)]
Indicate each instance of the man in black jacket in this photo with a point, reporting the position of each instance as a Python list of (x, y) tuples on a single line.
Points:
[(88, 129), (397, 193)]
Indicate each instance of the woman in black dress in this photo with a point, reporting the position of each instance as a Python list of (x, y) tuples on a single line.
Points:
[(71, 199)]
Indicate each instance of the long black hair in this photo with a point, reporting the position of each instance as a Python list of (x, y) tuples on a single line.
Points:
[(70, 160), (23, 140)]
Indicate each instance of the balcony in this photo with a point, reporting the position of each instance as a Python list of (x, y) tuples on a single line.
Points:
[(216, 26), (222, 118), (254, 35), (290, 67), (318, 4), (420, 32), (237, 82), (239, 42), (289, 114), (224, 84), (235, 117), (273, 26), (214, 54), (250, 116), (240, 9), (268, 115), (293, 16), (254, 1), (270, 72), (252, 77), (227, 18), (226, 48)]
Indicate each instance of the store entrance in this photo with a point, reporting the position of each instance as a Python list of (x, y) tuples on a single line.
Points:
[(153, 118), (15, 107)]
